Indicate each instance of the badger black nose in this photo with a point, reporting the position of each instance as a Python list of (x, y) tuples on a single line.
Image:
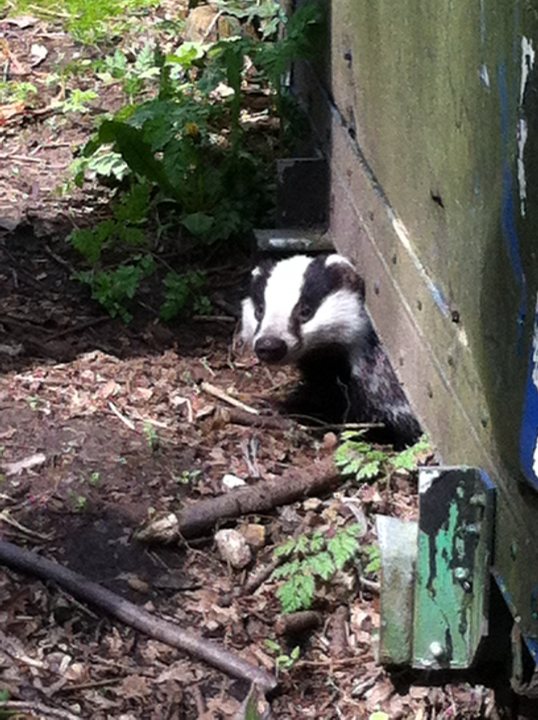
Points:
[(270, 349)]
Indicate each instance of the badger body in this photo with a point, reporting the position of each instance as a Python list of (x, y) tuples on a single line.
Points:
[(310, 312)]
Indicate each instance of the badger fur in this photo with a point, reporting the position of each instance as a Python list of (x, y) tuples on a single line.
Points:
[(310, 312)]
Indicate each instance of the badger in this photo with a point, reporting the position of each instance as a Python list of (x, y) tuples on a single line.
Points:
[(310, 312)]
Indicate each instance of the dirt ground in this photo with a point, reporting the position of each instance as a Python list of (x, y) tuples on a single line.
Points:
[(102, 426)]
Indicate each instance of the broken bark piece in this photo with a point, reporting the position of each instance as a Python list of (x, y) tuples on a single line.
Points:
[(136, 617), (295, 484), (338, 632), (298, 622)]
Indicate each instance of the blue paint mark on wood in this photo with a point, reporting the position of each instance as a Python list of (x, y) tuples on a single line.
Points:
[(529, 427), (508, 212)]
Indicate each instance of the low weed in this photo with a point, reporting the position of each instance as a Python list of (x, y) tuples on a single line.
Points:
[(359, 458), (312, 560), (284, 661), (88, 22), (180, 155), (12, 91)]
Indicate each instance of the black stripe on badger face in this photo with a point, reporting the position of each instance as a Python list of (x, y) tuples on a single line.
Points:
[(258, 283), (324, 275)]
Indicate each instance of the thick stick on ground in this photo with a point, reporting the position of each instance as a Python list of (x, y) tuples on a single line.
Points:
[(134, 616), (294, 485)]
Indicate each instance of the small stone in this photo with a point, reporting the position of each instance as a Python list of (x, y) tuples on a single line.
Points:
[(313, 503), (330, 441), (233, 548), (232, 481), (254, 534)]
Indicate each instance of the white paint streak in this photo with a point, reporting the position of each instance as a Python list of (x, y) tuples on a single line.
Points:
[(403, 236), (535, 380), (522, 134), (527, 62), (528, 55), (425, 479), (484, 75)]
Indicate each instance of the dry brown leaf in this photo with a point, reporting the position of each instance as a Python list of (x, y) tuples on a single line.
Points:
[(135, 686)]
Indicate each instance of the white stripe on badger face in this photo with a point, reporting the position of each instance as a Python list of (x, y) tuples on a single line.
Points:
[(340, 319), (248, 321), (282, 293)]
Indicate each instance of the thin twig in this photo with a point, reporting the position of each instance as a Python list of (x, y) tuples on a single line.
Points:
[(6, 517), (221, 395), (125, 420), (37, 708)]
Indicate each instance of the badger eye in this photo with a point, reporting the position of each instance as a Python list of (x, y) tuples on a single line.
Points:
[(305, 312)]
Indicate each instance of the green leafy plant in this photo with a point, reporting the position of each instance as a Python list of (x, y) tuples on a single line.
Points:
[(312, 559), (78, 101), (115, 289), (184, 293), (80, 502), (95, 478), (187, 477), (151, 434), (88, 22), (180, 154), (13, 91), (284, 661), (357, 457)]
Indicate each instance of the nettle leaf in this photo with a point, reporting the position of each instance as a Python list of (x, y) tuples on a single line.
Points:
[(134, 206), (198, 224), (342, 547)]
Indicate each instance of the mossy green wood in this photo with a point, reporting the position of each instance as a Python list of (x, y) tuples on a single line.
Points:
[(453, 567), (398, 547)]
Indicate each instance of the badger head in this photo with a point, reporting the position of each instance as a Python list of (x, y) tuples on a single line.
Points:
[(301, 304)]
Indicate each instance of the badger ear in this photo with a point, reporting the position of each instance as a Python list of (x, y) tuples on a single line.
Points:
[(248, 321), (344, 274)]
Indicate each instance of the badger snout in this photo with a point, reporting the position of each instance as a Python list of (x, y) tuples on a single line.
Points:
[(270, 349)]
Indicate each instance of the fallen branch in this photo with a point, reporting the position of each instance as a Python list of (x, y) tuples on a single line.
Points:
[(295, 484), (136, 617)]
